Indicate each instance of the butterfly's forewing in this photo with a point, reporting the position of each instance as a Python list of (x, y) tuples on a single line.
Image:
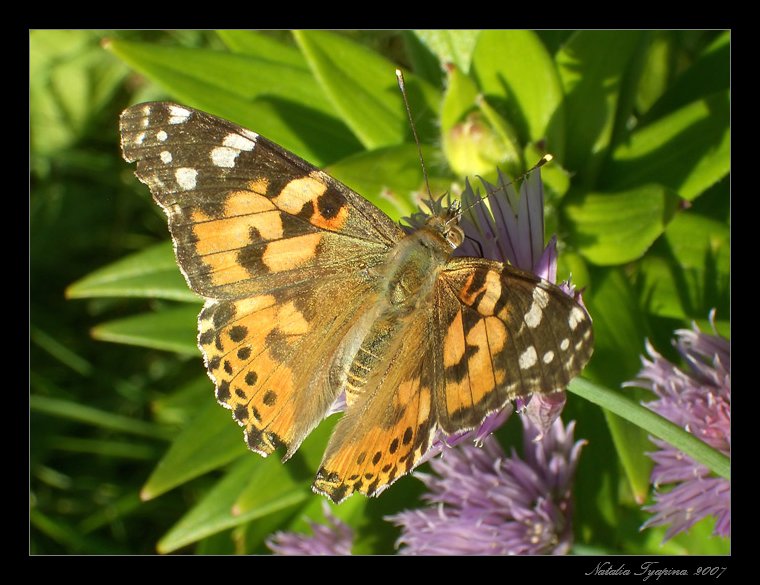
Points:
[(502, 334), (282, 252), (245, 215)]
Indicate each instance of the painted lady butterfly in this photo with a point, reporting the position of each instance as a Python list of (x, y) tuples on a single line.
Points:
[(312, 291)]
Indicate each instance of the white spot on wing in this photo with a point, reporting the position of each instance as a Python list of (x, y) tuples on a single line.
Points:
[(139, 138), (186, 178), (528, 358), (564, 344), (224, 156), (576, 316), (166, 157), (548, 357), (239, 142), (162, 136), (533, 316), (178, 115)]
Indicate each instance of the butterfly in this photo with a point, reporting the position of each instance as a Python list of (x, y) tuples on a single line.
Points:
[(313, 292)]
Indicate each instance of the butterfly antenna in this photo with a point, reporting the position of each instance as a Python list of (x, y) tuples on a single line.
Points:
[(544, 159), (402, 87)]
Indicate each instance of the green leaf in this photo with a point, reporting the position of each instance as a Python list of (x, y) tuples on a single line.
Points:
[(451, 46), (171, 330), (214, 512), (279, 482), (592, 66), (210, 441), (150, 273), (96, 417), (517, 74), (244, 76), (390, 177), (71, 81), (619, 341), (708, 75), (424, 62), (614, 228), (182, 405), (280, 101), (654, 424), (688, 273), (362, 87), (261, 46), (659, 69), (687, 151)]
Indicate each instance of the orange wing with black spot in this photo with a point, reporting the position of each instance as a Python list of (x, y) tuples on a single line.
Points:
[(501, 333), (390, 426)]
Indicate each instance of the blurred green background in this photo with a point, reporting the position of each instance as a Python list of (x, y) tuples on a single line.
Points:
[(130, 452)]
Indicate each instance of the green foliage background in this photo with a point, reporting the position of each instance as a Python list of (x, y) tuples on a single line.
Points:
[(130, 452)]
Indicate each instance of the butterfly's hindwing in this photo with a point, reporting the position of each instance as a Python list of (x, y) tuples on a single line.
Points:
[(390, 426), (264, 351), (503, 333)]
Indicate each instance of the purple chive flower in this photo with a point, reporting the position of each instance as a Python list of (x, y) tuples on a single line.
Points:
[(485, 503), (698, 399), (333, 538)]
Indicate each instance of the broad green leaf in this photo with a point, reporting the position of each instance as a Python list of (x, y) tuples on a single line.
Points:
[(150, 273), (689, 273), (244, 76), (708, 75), (209, 441), (661, 289), (390, 177), (261, 46), (659, 69), (517, 75), (363, 89), (592, 66), (687, 151), (424, 62), (451, 46), (96, 417), (71, 81), (182, 405), (281, 102), (618, 343), (170, 329), (279, 481), (214, 512), (614, 228)]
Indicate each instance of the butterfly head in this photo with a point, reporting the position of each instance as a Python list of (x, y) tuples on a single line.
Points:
[(446, 223)]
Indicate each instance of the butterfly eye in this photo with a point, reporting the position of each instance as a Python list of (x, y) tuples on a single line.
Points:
[(455, 236)]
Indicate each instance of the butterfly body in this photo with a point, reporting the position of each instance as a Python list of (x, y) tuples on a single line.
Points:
[(312, 292)]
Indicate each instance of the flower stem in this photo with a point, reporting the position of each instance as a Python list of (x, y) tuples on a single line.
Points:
[(654, 424)]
